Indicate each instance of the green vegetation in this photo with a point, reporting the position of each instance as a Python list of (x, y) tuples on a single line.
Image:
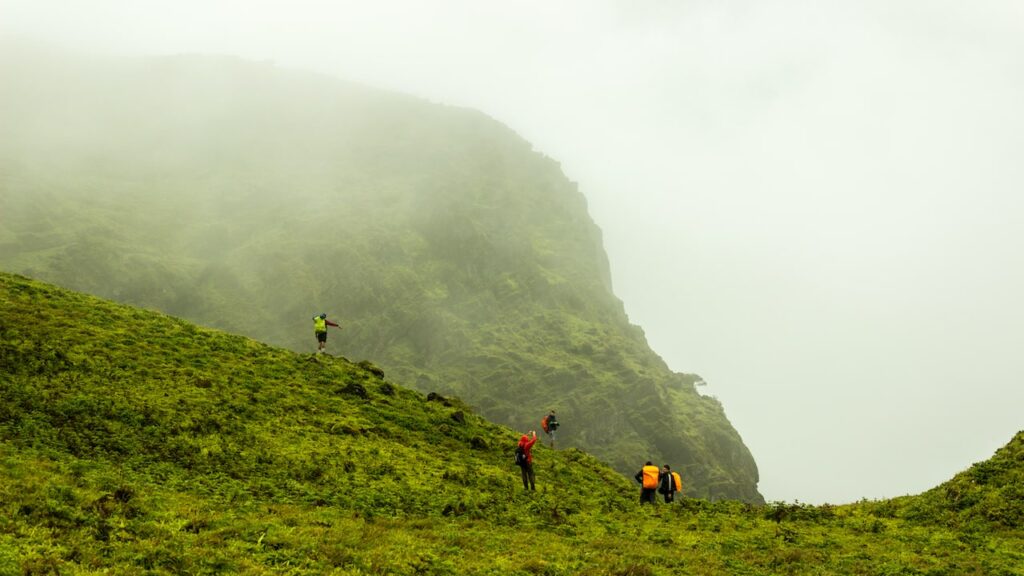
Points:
[(988, 495), (136, 443), (248, 198)]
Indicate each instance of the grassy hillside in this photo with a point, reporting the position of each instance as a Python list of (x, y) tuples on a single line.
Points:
[(248, 198), (988, 495), (136, 443), (989, 492)]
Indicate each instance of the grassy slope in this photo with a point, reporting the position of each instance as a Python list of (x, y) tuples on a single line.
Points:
[(988, 494), (247, 198), (133, 442)]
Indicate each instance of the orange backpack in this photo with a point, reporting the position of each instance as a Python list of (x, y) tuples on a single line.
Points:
[(650, 477)]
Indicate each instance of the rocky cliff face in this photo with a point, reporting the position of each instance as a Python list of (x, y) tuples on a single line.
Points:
[(248, 198)]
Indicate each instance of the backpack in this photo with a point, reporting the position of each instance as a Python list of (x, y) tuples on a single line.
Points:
[(520, 458)]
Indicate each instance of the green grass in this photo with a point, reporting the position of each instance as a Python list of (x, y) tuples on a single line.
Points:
[(135, 443)]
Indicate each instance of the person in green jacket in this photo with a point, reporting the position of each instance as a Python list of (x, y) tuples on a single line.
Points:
[(320, 324)]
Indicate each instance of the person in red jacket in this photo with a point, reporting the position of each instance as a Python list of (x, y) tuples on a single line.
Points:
[(526, 443)]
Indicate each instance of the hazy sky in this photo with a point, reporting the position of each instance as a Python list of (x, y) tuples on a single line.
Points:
[(817, 206)]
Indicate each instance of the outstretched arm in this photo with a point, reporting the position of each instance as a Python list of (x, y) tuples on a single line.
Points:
[(329, 323), (529, 443)]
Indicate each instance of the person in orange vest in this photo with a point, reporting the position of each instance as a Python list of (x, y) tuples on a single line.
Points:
[(669, 484), (649, 477), (525, 445)]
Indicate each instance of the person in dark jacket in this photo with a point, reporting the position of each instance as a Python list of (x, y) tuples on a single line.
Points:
[(526, 443), (667, 484), (649, 477), (550, 424)]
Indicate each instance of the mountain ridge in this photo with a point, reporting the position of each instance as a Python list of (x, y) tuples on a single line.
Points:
[(248, 198)]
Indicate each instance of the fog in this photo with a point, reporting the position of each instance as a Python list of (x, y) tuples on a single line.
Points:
[(815, 206)]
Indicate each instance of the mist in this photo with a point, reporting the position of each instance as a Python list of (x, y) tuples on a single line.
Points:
[(816, 208)]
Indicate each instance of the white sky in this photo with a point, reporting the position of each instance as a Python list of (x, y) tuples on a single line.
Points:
[(817, 206)]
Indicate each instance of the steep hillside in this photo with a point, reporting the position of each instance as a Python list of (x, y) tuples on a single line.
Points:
[(248, 198), (113, 417), (136, 443), (96, 380)]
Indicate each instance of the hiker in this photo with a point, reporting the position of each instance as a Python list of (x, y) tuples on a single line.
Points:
[(648, 477), (667, 485), (320, 324), (550, 424), (525, 459)]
